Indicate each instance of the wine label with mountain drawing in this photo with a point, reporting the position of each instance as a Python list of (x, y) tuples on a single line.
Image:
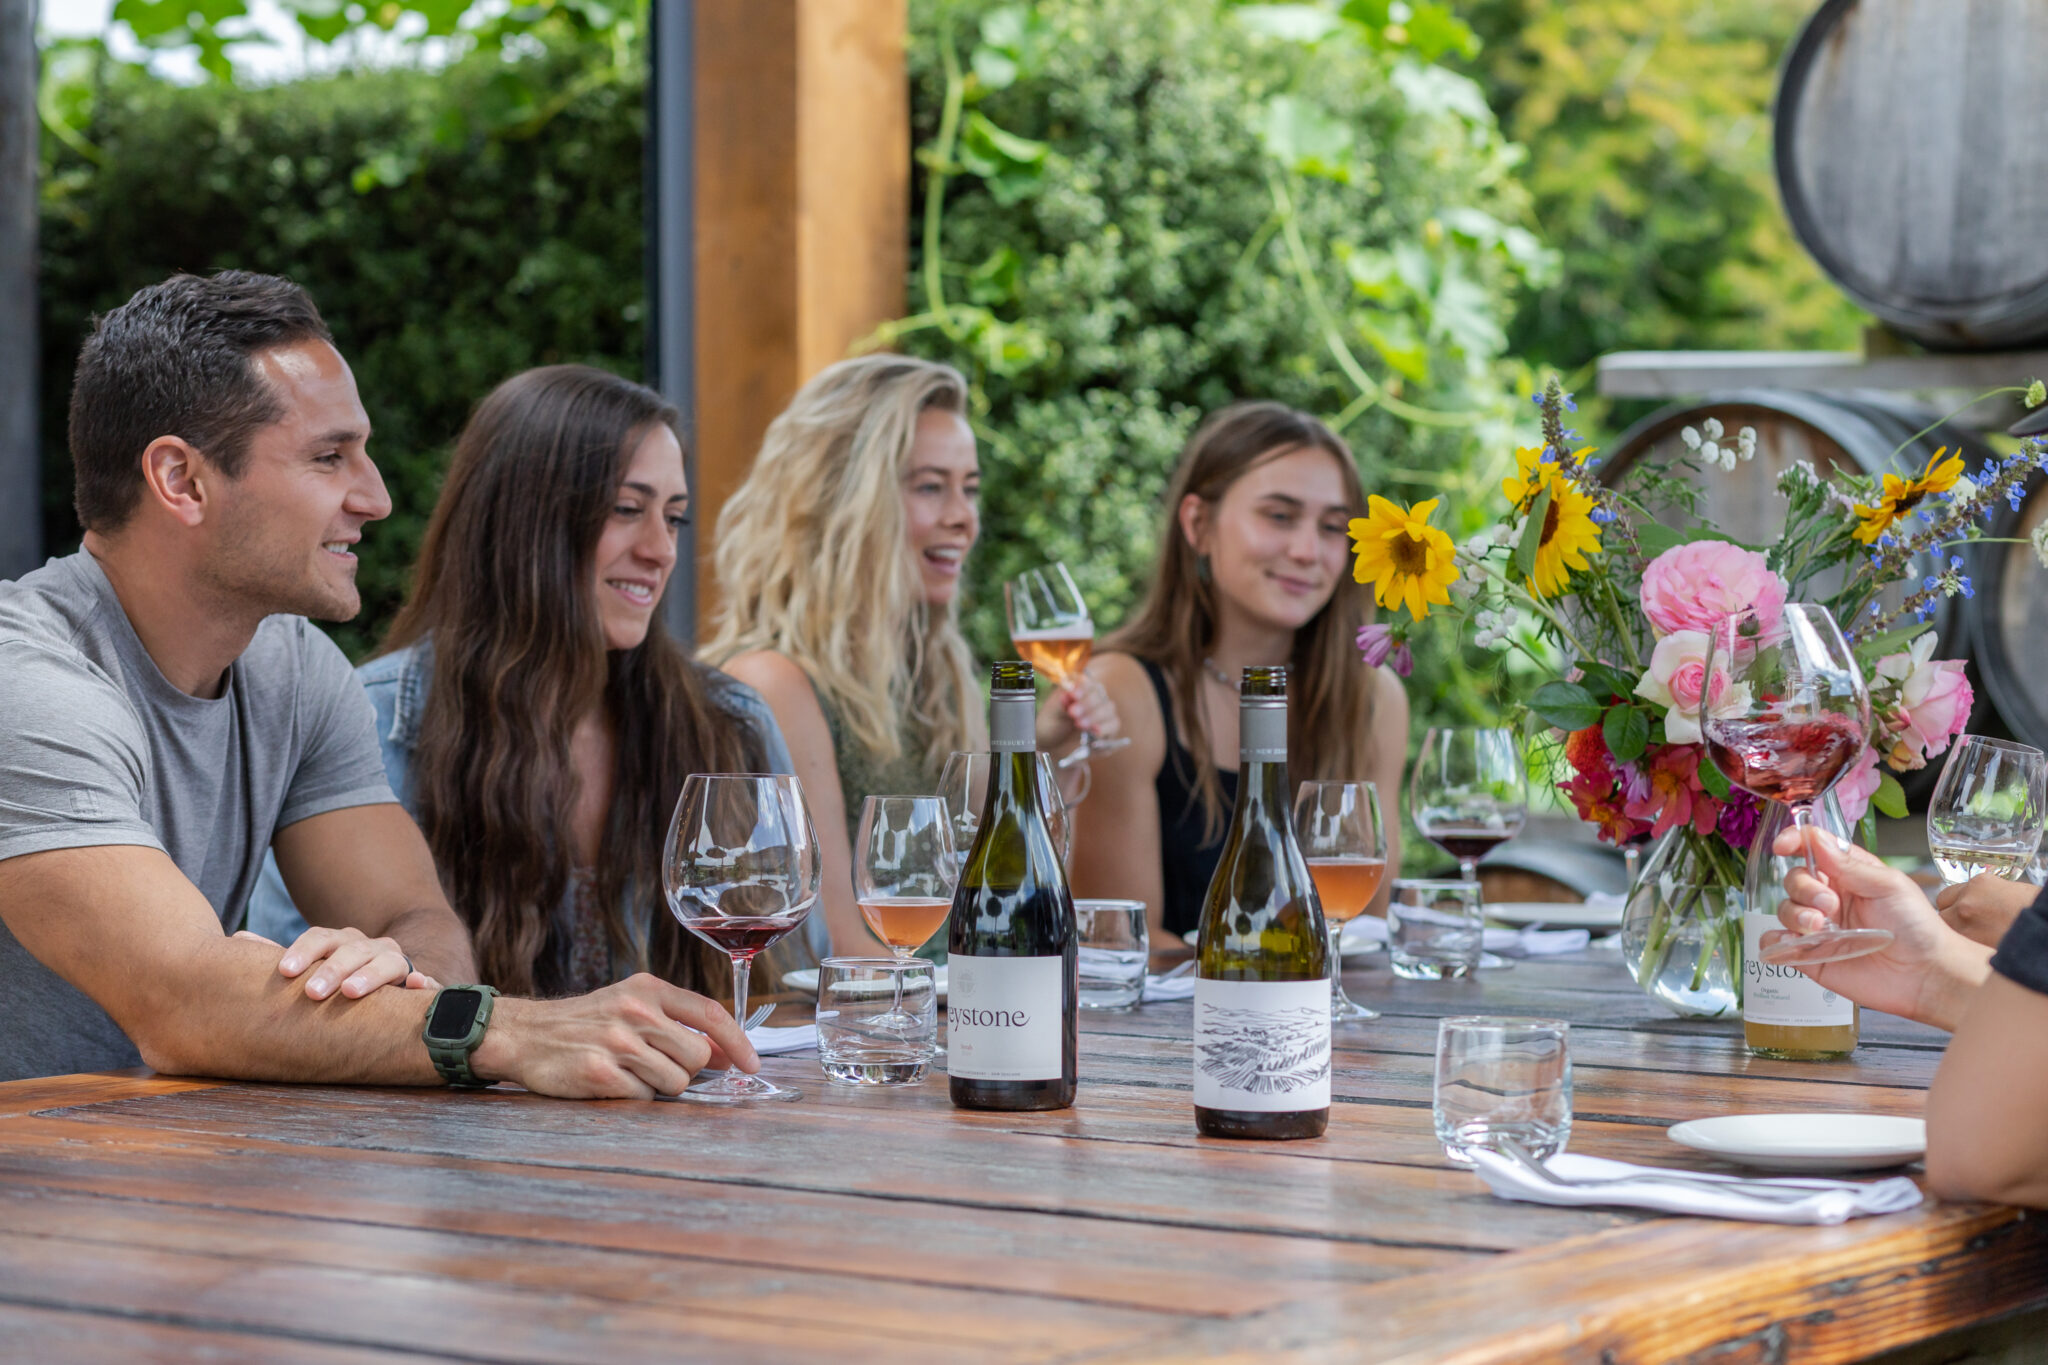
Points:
[(1262, 1046)]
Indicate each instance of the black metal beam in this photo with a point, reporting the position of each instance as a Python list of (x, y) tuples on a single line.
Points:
[(21, 511), (671, 263)]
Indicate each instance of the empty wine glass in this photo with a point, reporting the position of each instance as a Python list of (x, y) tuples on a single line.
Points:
[(963, 786), (904, 868), (1053, 632), (1337, 825), (1988, 809), (741, 868), (1469, 792), (1784, 714)]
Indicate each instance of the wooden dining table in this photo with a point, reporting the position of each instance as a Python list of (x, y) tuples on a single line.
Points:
[(150, 1218)]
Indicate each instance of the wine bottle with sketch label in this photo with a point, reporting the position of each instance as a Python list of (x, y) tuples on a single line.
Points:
[(1786, 1014), (1013, 994), (1262, 992)]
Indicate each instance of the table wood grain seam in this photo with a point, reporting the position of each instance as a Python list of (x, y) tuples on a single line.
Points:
[(233, 1328)]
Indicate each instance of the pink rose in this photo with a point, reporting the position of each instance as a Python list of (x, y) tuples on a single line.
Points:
[(1932, 706), (1693, 586), (1855, 787), (1676, 677)]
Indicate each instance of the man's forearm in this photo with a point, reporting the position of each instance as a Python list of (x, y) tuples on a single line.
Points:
[(436, 942)]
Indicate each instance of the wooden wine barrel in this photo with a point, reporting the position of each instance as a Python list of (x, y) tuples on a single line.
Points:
[(2008, 621), (1912, 165), (1829, 431)]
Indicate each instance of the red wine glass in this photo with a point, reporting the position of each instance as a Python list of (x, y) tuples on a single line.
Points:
[(1785, 714), (1469, 792), (742, 869)]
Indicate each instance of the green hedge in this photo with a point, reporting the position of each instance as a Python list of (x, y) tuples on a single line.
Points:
[(494, 252)]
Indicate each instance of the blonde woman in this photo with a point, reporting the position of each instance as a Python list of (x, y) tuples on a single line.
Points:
[(838, 564)]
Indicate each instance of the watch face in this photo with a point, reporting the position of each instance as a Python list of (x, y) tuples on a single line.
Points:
[(455, 1014)]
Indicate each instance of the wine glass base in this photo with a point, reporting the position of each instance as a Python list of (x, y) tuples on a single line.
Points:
[(1345, 1010), (1783, 949), (736, 1087)]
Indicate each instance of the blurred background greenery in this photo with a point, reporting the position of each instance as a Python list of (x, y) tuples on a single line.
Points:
[(1398, 215)]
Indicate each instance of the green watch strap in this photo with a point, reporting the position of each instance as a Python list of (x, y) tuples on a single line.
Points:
[(451, 1050)]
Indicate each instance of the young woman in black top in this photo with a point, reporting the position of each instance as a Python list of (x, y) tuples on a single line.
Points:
[(1987, 1112), (1254, 569)]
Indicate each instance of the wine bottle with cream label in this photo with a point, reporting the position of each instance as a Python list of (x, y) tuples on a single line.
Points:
[(1786, 1013)]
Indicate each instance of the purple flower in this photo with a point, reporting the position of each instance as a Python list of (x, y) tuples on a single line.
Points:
[(1739, 819), (1402, 661), (1635, 784), (1375, 643)]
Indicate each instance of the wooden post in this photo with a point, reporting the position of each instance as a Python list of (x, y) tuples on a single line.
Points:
[(21, 510), (802, 208)]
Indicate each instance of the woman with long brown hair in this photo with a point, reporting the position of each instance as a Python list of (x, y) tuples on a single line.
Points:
[(1252, 570), (537, 719)]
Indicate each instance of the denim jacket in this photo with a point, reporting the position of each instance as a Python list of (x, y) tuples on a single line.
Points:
[(397, 684)]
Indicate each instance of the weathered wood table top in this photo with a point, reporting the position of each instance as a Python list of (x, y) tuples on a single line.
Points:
[(145, 1218)]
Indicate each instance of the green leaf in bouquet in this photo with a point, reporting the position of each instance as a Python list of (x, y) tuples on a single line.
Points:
[(1617, 683), (1568, 706), (1890, 797), (1627, 731), (1532, 536), (1713, 780), (1897, 640)]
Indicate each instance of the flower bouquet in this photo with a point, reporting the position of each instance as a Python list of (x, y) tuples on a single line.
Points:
[(1615, 601)]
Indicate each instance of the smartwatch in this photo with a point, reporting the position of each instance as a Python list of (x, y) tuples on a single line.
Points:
[(455, 1025)]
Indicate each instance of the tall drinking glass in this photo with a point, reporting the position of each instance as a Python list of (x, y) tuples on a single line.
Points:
[(741, 868), (904, 868), (1988, 809), (963, 786), (1785, 713), (1344, 844), (1053, 632), (1469, 792)]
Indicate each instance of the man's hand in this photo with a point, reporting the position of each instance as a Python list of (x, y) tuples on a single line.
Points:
[(1983, 908), (1926, 972), (637, 1039), (349, 958)]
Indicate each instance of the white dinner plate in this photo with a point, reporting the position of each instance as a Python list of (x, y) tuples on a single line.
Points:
[(1807, 1142), (806, 979), (1556, 914)]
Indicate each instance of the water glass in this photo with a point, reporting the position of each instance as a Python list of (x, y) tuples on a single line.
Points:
[(1115, 951), (878, 1020), (1434, 929), (1503, 1079)]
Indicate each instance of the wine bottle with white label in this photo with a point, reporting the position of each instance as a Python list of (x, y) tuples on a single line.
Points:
[(1013, 993), (1262, 994), (1786, 1014)]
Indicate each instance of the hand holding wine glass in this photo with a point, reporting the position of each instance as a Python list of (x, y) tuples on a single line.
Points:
[(1053, 632), (1784, 713), (1469, 792), (741, 868), (1337, 825)]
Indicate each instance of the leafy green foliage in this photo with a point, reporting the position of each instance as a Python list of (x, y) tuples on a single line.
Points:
[(498, 249)]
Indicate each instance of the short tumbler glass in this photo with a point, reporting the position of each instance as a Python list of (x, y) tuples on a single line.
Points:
[(1115, 950), (863, 1039), (1503, 1079), (1434, 929)]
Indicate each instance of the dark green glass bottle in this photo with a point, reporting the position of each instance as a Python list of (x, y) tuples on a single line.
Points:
[(1013, 993), (1262, 990)]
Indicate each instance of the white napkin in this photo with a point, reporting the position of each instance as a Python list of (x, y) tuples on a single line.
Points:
[(770, 1041), (1158, 988), (1832, 1201), (1368, 933)]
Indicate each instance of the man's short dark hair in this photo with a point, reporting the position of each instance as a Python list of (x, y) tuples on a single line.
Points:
[(177, 360)]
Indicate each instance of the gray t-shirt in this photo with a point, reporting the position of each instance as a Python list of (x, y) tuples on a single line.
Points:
[(97, 748)]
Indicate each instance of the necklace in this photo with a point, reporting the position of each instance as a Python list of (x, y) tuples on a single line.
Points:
[(1209, 667)]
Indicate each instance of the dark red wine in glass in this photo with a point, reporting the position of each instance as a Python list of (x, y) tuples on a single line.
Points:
[(1784, 714)]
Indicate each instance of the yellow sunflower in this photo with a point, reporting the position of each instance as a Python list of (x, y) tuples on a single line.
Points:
[(1521, 487), (1569, 535), (1901, 496), (1408, 562)]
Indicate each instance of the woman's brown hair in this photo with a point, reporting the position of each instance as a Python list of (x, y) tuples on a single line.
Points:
[(504, 594), (1329, 691)]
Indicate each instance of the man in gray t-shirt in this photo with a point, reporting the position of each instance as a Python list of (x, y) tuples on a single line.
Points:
[(166, 713)]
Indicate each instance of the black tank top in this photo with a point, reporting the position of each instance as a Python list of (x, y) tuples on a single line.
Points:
[(1186, 862)]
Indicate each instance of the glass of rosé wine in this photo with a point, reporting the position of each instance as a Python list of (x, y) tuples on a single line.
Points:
[(741, 868), (1053, 632), (1785, 713), (1338, 827), (904, 867)]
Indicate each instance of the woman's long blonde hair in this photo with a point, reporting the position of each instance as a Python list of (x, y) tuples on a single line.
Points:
[(1329, 692), (812, 560)]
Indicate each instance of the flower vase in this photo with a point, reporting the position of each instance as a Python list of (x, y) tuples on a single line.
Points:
[(1681, 935)]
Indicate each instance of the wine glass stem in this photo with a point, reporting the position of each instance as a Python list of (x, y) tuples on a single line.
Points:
[(1336, 958), (740, 968), (1468, 868), (1802, 820), (902, 956)]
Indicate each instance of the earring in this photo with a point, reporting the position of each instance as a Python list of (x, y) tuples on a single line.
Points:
[(1202, 573)]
